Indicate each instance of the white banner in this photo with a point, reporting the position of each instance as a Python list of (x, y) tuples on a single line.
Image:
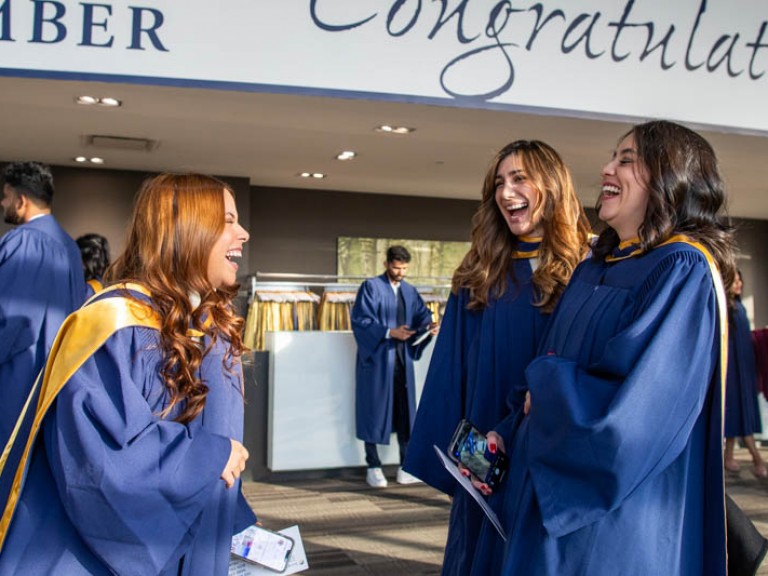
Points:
[(697, 61)]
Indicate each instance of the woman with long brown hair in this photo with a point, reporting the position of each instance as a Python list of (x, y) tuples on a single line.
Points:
[(529, 234), (132, 463)]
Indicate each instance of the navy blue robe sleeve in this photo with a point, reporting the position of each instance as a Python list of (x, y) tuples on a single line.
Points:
[(598, 433), (16, 332), (443, 402), (368, 330), (421, 316), (16, 336), (133, 484)]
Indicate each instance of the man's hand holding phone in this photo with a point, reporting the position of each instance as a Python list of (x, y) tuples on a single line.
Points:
[(401, 332)]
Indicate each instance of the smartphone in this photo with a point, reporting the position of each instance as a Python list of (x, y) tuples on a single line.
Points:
[(469, 447), (264, 547), (422, 333)]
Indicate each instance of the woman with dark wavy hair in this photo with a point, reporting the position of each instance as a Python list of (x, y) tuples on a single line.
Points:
[(529, 233), (94, 251), (617, 466), (135, 469)]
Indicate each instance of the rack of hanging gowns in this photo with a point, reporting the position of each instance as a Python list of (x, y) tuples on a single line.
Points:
[(335, 309), (305, 302), (278, 308)]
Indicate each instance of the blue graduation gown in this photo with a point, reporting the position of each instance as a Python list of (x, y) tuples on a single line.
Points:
[(476, 372), (617, 469), (41, 283), (113, 488), (374, 312), (742, 415)]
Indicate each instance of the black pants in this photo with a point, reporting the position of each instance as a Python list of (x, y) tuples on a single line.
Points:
[(401, 422)]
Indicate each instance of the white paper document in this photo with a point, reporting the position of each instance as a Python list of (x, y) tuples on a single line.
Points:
[(465, 483), (296, 563), (421, 337)]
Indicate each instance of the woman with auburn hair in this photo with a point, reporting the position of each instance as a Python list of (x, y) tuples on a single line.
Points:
[(132, 464), (529, 234), (617, 464)]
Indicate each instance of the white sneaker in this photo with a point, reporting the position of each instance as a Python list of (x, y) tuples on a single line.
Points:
[(404, 478), (375, 478)]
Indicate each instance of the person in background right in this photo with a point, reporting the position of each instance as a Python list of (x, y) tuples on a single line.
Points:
[(94, 250), (617, 468), (742, 414)]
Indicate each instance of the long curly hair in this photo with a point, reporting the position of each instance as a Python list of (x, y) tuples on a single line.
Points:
[(176, 220), (485, 267), (686, 194)]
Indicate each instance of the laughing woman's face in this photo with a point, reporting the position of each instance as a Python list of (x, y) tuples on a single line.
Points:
[(624, 194), (222, 262), (517, 198)]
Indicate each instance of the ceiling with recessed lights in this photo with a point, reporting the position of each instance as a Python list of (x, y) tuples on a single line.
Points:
[(292, 141)]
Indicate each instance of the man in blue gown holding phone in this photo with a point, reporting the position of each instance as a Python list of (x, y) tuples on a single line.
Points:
[(388, 317)]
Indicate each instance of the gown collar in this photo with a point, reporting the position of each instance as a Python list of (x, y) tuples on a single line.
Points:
[(625, 249), (527, 247)]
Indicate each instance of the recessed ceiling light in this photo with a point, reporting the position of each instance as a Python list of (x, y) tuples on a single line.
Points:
[(317, 175), (346, 155), (394, 129), (107, 101), (81, 159), (87, 100), (96, 160)]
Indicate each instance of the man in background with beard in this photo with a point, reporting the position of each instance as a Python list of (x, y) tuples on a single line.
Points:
[(41, 283), (388, 317)]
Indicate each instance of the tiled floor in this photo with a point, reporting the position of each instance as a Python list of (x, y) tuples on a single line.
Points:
[(350, 529)]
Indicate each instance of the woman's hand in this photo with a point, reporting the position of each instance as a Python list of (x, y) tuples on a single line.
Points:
[(527, 405), (236, 463), (495, 443)]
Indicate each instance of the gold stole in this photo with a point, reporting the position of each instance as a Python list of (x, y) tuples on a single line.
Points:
[(96, 285), (722, 308), (81, 334)]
